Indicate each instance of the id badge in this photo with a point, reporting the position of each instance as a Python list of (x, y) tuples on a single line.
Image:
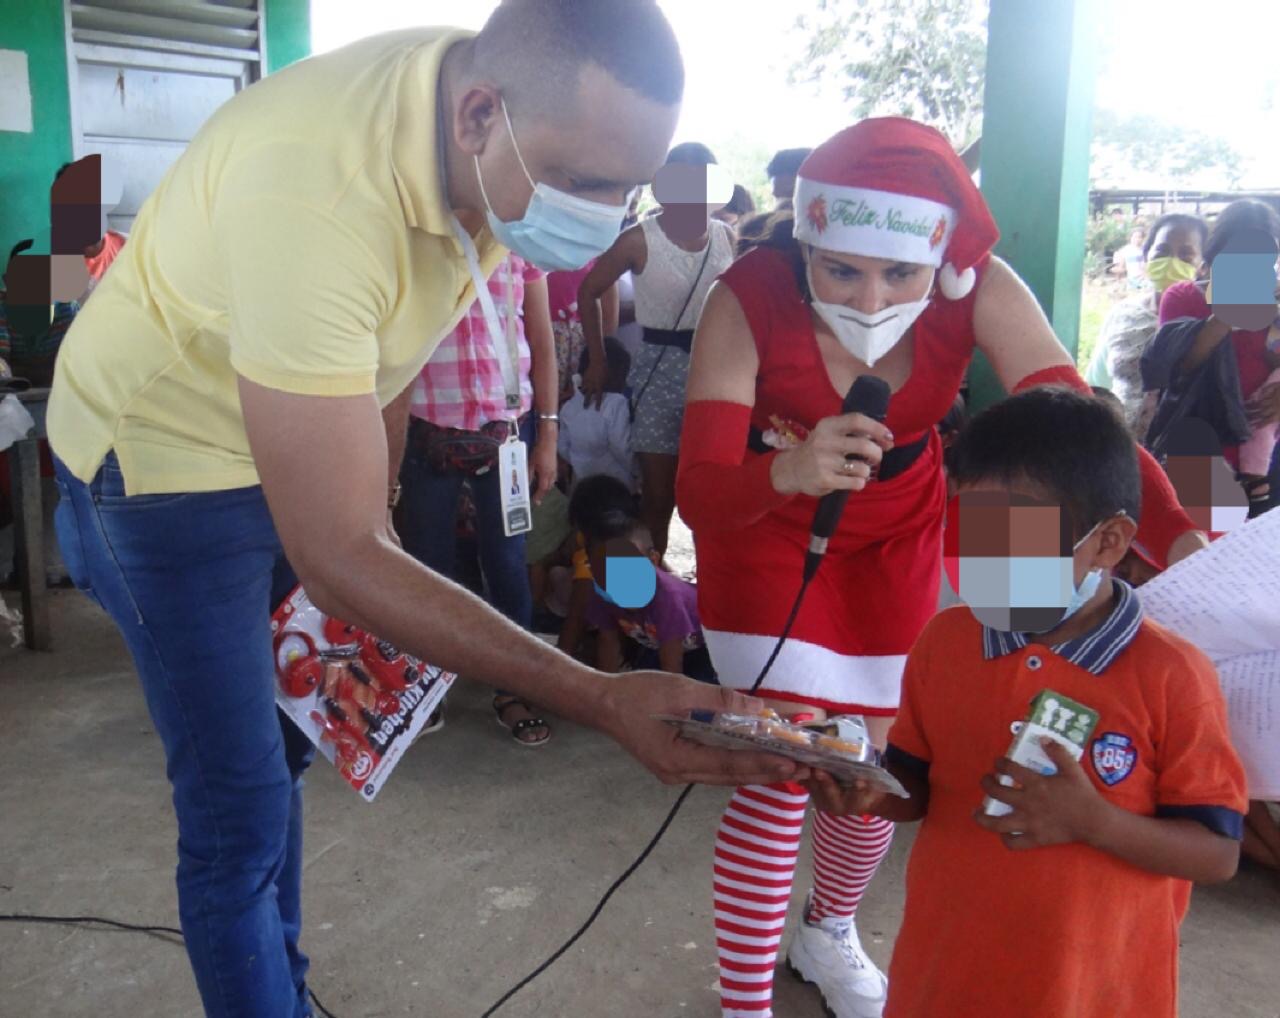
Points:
[(513, 484)]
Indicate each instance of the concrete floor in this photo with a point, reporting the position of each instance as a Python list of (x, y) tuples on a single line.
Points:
[(476, 861)]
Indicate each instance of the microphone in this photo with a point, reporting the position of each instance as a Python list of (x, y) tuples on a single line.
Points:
[(868, 396)]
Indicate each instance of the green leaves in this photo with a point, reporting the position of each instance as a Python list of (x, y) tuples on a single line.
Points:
[(897, 57)]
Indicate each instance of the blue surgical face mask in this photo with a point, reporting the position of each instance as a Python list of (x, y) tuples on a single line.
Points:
[(558, 232), (1041, 592)]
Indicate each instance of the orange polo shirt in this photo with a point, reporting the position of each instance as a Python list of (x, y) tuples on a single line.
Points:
[(1065, 931)]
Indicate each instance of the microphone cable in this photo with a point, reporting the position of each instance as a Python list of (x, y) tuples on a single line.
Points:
[(662, 828)]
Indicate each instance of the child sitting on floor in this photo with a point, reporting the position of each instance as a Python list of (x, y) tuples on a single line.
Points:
[(632, 596), (1091, 869)]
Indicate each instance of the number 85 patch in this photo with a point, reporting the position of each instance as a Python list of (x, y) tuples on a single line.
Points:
[(1113, 757)]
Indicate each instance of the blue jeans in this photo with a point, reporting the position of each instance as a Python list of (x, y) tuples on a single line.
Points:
[(430, 503), (188, 580)]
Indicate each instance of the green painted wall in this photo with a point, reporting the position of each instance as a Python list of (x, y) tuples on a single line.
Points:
[(1037, 126), (29, 161), (288, 32)]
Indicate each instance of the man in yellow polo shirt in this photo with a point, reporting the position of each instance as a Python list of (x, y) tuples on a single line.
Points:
[(237, 385)]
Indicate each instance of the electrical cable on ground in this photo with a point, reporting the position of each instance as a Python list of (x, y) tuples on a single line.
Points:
[(653, 842), (93, 920), (577, 935)]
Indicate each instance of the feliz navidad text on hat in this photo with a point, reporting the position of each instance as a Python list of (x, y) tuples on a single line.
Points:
[(876, 224)]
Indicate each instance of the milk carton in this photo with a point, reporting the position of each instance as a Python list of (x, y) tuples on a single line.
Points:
[(1052, 716)]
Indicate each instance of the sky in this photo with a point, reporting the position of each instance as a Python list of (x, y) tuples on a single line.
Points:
[(738, 53)]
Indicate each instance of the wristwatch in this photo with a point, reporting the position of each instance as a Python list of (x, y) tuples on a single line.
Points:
[(393, 495)]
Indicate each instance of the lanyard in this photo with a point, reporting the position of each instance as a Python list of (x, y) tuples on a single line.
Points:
[(508, 352)]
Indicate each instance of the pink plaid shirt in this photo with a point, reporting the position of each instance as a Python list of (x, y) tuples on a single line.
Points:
[(461, 386)]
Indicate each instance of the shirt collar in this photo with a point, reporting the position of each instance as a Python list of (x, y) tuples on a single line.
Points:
[(416, 157), (1093, 651)]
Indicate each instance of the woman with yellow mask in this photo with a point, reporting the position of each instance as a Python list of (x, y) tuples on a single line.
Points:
[(1172, 255)]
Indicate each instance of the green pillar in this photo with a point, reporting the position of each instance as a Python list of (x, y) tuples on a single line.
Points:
[(288, 32), (29, 159), (1037, 127)]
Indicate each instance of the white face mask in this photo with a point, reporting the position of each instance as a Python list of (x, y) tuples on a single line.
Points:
[(867, 337)]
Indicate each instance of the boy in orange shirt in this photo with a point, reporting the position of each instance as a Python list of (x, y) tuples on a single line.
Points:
[(1068, 905)]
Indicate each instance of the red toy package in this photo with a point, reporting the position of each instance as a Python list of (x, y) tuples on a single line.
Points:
[(359, 699)]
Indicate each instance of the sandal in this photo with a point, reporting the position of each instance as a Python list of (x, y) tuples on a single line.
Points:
[(502, 703)]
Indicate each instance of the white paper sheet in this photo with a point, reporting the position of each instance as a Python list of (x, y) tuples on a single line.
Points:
[(1226, 600), (1251, 686)]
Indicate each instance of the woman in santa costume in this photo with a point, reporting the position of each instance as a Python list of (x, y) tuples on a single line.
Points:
[(886, 270)]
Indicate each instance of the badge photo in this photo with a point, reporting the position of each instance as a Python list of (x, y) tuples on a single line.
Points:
[(1113, 757)]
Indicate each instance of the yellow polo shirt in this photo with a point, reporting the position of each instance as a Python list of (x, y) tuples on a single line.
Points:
[(302, 240)]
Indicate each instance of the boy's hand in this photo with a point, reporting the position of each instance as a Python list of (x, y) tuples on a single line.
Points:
[(1054, 809), (859, 800)]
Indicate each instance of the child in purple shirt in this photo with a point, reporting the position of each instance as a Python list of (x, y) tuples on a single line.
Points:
[(666, 627)]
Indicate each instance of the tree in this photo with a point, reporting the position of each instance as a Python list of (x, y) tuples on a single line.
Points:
[(1162, 153), (902, 57)]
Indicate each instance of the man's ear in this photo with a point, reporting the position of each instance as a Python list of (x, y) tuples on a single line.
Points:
[(475, 117), (1115, 535)]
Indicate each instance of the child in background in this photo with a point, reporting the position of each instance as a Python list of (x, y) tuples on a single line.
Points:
[(1091, 871), (592, 498), (598, 440), (1258, 451), (666, 625)]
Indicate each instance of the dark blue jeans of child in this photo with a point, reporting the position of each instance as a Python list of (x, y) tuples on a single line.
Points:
[(188, 580)]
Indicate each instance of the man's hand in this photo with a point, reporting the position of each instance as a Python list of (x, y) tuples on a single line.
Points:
[(1054, 809), (543, 464), (633, 699)]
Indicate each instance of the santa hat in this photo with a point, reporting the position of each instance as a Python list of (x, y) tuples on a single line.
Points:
[(893, 188)]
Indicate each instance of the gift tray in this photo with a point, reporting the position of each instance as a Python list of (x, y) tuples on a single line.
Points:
[(840, 746)]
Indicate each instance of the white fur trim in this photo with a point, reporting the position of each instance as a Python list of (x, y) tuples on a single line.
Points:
[(807, 669), (875, 224), (955, 285)]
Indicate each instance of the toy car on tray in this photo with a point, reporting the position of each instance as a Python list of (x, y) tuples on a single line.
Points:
[(839, 746)]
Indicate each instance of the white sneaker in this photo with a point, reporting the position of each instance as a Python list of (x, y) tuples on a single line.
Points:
[(829, 955)]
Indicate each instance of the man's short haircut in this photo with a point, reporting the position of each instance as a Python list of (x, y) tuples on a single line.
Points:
[(535, 50), (1073, 447), (693, 152), (1175, 221), (786, 163)]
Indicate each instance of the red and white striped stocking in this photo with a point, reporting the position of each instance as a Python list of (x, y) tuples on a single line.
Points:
[(846, 853), (755, 863)]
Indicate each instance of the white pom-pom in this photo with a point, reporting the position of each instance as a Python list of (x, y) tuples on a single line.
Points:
[(955, 285)]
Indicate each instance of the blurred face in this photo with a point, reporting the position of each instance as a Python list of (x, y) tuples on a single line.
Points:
[(784, 187), (867, 285), (1010, 554), (624, 570), (730, 219), (1177, 242), (1136, 238)]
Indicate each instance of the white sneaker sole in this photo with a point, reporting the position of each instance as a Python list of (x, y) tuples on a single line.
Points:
[(799, 965)]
